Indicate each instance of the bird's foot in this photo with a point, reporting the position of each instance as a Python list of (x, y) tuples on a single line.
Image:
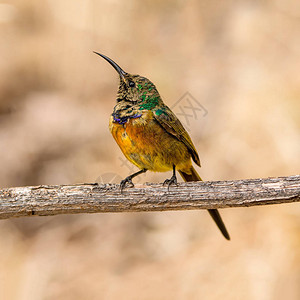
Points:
[(172, 180), (126, 181)]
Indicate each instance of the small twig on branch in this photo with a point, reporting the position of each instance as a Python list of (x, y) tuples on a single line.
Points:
[(90, 198)]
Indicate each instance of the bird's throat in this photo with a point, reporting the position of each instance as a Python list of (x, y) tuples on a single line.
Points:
[(123, 112)]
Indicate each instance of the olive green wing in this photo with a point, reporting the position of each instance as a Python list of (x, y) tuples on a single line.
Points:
[(168, 120)]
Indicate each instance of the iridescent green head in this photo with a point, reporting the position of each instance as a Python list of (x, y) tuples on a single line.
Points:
[(135, 89)]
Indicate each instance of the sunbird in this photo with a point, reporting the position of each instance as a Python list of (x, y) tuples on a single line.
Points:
[(150, 135)]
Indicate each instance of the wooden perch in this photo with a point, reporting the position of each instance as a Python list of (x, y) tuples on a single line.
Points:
[(92, 198)]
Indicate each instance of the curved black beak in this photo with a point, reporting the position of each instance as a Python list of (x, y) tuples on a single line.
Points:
[(116, 67)]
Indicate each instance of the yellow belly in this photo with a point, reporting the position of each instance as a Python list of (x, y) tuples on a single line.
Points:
[(147, 145)]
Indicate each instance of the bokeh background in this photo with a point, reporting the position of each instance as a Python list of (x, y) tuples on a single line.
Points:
[(239, 59)]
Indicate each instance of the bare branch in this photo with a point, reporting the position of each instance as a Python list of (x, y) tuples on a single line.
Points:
[(91, 198)]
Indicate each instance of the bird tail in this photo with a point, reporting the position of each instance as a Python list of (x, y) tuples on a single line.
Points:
[(194, 176)]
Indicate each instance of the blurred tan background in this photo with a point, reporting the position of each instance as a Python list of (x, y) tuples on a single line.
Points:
[(239, 59)]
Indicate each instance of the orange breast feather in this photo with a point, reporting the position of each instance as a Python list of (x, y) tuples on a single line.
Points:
[(147, 145)]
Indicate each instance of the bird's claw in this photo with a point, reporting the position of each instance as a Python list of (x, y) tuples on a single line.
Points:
[(172, 180), (126, 181)]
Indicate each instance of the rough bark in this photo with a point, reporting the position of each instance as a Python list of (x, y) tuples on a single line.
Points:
[(90, 198)]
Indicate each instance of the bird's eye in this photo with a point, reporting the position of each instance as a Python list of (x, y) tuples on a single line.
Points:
[(131, 84)]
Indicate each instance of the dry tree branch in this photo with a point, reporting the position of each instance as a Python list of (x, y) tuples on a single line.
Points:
[(94, 198)]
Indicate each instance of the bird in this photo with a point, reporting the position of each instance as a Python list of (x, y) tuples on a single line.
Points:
[(150, 135)]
